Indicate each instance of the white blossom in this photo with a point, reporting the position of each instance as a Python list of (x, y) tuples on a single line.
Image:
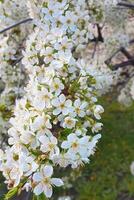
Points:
[(44, 181)]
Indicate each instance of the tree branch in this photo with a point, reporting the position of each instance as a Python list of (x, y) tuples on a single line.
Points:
[(99, 38), (107, 62), (17, 61), (15, 25), (127, 5), (126, 53), (124, 64)]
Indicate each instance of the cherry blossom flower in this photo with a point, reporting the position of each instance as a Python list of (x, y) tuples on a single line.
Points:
[(44, 181), (49, 145), (62, 105), (97, 111), (69, 122)]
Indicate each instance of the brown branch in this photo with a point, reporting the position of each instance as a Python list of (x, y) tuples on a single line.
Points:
[(107, 62), (124, 64), (126, 53), (15, 25), (99, 38), (17, 61), (126, 5)]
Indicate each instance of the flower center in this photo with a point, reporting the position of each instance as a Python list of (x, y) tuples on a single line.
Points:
[(56, 86), (51, 146), (77, 110), (68, 21), (46, 181), (69, 121), (45, 97), (62, 105), (74, 145)]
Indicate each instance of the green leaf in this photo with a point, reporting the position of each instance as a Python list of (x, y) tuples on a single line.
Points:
[(41, 197), (65, 133), (11, 193)]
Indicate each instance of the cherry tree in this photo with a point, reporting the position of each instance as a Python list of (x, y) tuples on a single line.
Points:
[(65, 48)]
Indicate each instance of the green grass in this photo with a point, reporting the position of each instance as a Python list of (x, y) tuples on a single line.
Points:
[(108, 174)]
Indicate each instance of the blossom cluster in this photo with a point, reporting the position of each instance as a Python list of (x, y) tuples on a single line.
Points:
[(53, 122), (12, 73), (93, 12)]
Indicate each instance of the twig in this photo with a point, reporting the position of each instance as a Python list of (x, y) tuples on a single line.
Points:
[(95, 46), (126, 53), (107, 62), (17, 61), (15, 25), (124, 64), (99, 38), (127, 5)]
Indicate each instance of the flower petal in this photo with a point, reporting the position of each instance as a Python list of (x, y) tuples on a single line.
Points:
[(48, 171), (38, 189), (57, 182), (44, 139), (48, 190), (68, 103), (55, 102), (77, 103), (62, 98), (65, 111), (53, 140), (72, 137), (65, 145), (37, 177), (56, 111)]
